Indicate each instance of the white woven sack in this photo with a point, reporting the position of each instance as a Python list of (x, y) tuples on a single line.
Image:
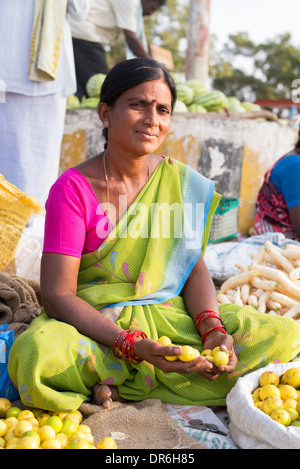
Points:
[(250, 427)]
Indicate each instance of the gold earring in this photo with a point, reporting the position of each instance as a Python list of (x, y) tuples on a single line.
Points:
[(105, 124)]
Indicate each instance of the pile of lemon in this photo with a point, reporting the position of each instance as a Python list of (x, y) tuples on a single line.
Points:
[(279, 396), (38, 429)]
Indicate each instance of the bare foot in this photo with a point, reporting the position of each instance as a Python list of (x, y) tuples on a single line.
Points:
[(105, 395)]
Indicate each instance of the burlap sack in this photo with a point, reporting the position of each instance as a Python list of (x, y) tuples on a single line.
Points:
[(142, 425), (20, 301)]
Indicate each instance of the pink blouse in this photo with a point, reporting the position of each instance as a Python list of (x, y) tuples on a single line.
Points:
[(75, 223)]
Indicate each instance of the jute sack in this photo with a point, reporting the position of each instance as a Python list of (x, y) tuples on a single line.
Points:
[(138, 425)]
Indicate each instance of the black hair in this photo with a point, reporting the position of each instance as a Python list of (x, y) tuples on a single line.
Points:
[(130, 73)]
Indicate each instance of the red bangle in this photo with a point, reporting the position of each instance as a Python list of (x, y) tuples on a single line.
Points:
[(123, 347), (205, 315), (220, 328)]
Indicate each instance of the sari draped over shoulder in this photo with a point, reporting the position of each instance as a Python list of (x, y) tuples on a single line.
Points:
[(136, 277)]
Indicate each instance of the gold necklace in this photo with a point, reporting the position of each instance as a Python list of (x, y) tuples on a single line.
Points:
[(107, 184)]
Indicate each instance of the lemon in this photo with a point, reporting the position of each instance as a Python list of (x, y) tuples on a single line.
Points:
[(9, 434), (164, 340), (52, 444), (268, 377), (84, 428), (12, 441), (2, 442), (293, 414), (69, 427), (84, 435), (27, 443), (37, 412), (25, 414), (77, 443), (298, 407), (269, 390), (60, 414), (33, 434), (259, 405), (107, 443), (11, 446), (289, 403), (11, 422), (206, 352), (5, 404), (13, 412), (281, 416), (171, 358), (220, 358), (47, 433), (22, 427), (271, 403), (255, 398), (42, 418), (188, 354), (211, 360), (295, 423), (292, 377), (216, 349), (34, 422), (55, 422), (75, 416), (256, 392), (288, 391), (63, 439), (3, 428)]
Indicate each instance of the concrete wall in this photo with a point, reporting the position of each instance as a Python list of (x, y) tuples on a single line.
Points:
[(233, 152)]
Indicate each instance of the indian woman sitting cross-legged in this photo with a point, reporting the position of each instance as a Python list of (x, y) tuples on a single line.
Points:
[(123, 265)]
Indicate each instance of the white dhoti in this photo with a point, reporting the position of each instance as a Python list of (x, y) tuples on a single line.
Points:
[(31, 132)]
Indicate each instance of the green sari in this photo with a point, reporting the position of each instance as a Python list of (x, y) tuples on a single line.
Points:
[(138, 274)]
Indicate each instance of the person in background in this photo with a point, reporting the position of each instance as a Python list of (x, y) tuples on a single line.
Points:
[(32, 115), (106, 20), (278, 202)]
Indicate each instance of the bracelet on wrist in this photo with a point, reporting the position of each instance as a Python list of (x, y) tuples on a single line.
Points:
[(219, 328), (205, 315), (123, 347)]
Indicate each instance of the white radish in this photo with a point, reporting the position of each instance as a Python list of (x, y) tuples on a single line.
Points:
[(236, 280), (277, 275), (245, 290), (273, 305), (293, 311), (285, 263), (223, 299), (263, 284), (284, 300), (295, 274), (262, 300)]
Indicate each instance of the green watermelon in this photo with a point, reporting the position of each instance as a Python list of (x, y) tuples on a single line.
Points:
[(90, 103), (184, 93), (234, 105), (197, 86), (194, 107), (94, 84), (180, 107), (73, 102), (251, 107), (212, 100)]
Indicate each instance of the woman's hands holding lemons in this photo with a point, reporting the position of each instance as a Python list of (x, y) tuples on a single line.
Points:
[(184, 358)]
